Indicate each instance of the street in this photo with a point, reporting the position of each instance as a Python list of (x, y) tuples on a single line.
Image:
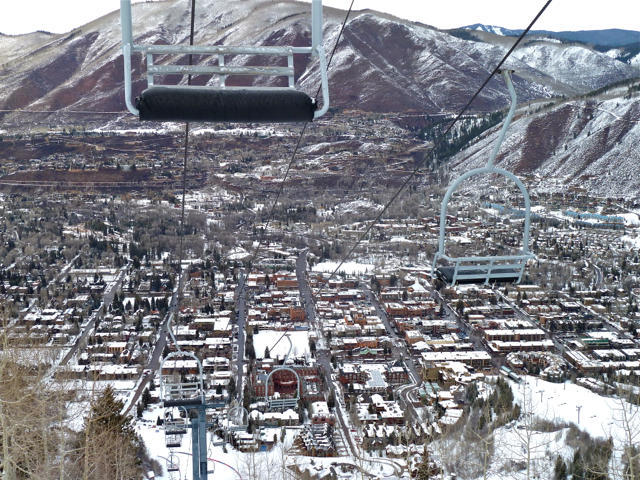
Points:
[(241, 317), (88, 326), (154, 362), (399, 350), (323, 357)]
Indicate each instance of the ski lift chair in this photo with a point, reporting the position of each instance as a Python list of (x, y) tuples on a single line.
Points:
[(172, 463), (222, 103), (172, 441), (175, 427), (237, 418), (485, 269), (178, 393)]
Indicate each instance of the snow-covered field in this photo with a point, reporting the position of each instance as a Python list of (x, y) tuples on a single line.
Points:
[(356, 206), (267, 338), (260, 132), (633, 240), (630, 218), (349, 268), (599, 416), (563, 404)]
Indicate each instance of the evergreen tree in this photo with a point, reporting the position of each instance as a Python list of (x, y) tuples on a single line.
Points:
[(108, 445), (426, 469), (146, 398), (560, 470)]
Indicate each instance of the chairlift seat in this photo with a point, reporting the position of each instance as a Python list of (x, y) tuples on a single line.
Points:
[(183, 402), (175, 427), (471, 275), (173, 441), (217, 101), (172, 463), (206, 104)]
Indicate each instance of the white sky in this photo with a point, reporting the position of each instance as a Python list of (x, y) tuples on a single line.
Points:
[(23, 16)]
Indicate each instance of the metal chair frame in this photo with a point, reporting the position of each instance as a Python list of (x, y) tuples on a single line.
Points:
[(182, 392), (237, 418), (487, 268), (220, 51), (173, 465)]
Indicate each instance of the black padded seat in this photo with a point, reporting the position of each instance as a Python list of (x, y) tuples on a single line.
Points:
[(206, 104), (446, 275), (186, 402)]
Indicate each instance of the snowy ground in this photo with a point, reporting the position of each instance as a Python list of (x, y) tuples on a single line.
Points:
[(228, 465), (632, 240), (599, 416), (267, 338), (630, 218), (356, 206), (349, 268)]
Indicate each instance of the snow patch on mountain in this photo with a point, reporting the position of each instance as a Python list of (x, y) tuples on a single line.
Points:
[(586, 143), (357, 206), (573, 65)]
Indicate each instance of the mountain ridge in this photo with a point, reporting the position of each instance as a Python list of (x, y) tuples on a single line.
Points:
[(382, 64), (608, 37)]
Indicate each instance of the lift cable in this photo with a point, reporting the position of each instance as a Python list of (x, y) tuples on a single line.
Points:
[(295, 151), (184, 175), (256, 250)]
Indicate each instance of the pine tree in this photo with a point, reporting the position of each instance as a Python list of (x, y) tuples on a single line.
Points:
[(426, 469), (146, 398), (560, 470)]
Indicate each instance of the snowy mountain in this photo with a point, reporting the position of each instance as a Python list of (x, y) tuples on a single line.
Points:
[(628, 54), (612, 37), (589, 142), (492, 29), (382, 64)]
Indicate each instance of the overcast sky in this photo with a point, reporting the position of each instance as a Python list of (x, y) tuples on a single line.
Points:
[(23, 16)]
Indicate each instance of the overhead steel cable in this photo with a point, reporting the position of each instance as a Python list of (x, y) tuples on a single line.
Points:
[(430, 152), (184, 177), (298, 143)]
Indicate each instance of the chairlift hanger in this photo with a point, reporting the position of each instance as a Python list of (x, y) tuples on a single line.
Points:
[(485, 269), (222, 103)]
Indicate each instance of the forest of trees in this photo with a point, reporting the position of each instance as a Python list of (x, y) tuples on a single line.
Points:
[(40, 440)]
